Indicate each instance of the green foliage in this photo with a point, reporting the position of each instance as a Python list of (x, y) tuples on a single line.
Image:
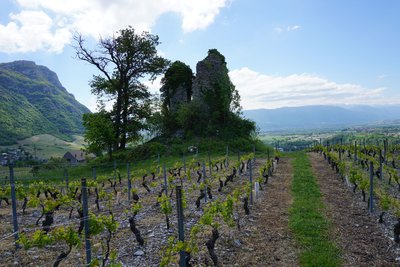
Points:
[(5, 192), (394, 175), (246, 157), (136, 207), (177, 147), (385, 200), (177, 81), (99, 133), (364, 184), (342, 167), (68, 235), (165, 204), (113, 259), (190, 119), (227, 210), (39, 239), (178, 74), (171, 250), (110, 224), (95, 225), (355, 176), (195, 123), (184, 199), (143, 151)]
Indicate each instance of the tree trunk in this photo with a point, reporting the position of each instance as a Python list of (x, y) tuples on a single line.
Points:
[(117, 122), (125, 108), (110, 152)]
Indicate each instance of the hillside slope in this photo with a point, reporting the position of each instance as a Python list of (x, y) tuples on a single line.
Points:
[(33, 101)]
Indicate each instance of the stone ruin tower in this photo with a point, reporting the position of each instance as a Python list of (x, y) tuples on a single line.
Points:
[(208, 71)]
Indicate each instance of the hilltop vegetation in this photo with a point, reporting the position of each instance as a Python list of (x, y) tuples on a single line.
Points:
[(205, 105), (33, 101), (192, 108)]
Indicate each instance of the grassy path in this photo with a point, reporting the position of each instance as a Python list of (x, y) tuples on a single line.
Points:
[(307, 221)]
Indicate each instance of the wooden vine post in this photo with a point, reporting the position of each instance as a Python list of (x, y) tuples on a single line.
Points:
[(251, 182), (14, 205), (181, 230), (371, 188), (205, 181), (128, 173), (86, 222)]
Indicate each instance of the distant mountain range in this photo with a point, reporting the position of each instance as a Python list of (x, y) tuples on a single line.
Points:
[(320, 117), (33, 101)]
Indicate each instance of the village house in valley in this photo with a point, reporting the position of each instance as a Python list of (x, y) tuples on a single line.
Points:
[(77, 156)]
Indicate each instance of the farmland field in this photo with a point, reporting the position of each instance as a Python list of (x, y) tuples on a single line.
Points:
[(48, 146)]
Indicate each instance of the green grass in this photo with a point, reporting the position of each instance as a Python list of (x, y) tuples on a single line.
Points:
[(311, 228), (53, 170), (47, 145)]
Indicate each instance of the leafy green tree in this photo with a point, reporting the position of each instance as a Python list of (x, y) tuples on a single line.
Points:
[(99, 133), (176, 90), (190, 118), (123, 60), (178, 76)]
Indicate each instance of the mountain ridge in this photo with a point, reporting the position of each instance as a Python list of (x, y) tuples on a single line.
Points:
[(320, 117), (33, 101)]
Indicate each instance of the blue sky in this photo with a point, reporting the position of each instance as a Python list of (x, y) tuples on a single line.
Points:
[(279, 53)]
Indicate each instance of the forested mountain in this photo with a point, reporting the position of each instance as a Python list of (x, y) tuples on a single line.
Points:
[(33, 101), (319, 117)]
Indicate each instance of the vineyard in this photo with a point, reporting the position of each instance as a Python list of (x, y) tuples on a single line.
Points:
[(370, 169), (154, 216), (370, 172), (335, 205)]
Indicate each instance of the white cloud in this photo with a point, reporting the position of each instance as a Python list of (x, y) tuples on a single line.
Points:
[(198, 14), (48, 24), (293, 28), (287, 28), (154, 86), (267, 91), (30, 31)]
